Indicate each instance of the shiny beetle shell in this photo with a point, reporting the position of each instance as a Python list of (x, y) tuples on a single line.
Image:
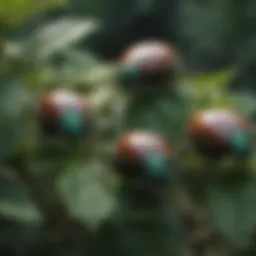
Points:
[(54, 102), (151, 55), (133, 147), (57, 103), (212, 128), (149, 63)]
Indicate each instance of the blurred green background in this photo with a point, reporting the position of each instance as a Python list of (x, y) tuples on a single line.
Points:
[(75, 44)]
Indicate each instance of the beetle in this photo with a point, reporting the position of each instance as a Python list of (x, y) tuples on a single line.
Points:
[(220, 132), (66, 113), (142, 154), (148, 63), (143, 162)]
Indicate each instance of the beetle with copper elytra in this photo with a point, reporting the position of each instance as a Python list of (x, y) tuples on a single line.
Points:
[(220, 132), (65, 113), (149, 63)]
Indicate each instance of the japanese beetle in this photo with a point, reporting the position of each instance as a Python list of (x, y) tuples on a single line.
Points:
[(220, 132), (142, 155), (65, 113), (148, 63)]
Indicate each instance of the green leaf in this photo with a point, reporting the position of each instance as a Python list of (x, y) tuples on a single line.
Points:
[(219, 80), (12, 127), (85, 194), (210, 90), (15, 203), (232, 210), (165, 114), (245, 103), (16, 12)]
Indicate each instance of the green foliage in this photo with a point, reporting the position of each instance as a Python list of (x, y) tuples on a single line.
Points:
[(245, 103), (17, 12), (15, 203), (231, 207), (229, 194), (168, 114), (85, 194), (232, 24), (210, 90), (80, 172)]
